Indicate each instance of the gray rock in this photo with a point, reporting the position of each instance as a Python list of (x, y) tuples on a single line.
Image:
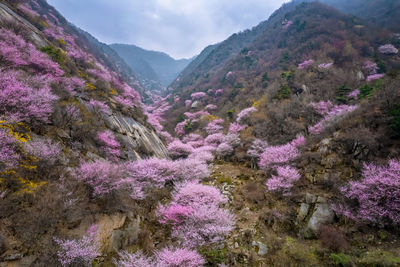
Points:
[(262, 249), (137, 138), (195, 104), (323, 214), (360, 76), (303, 211), (310, 199)]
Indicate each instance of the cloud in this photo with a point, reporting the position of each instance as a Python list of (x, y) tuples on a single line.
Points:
[(180, 28)]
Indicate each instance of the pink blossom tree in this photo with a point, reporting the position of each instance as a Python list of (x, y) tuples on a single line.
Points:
[(20, 102), (177, 149), (100, 176), (245, 114), (79, 252), (306, 64), (376, 197), (388, 49), (204, 222), (284, 180), (110, 145), (198, 95)]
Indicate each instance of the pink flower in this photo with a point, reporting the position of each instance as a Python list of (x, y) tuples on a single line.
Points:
[(375, 77), (388, 49), (283, 182), (306, 64), (198, 95)]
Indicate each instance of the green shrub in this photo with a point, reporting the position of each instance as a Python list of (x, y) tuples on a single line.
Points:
[(214, 257), (55, 54), (283, 93), (375, 258), (395, 122), (342, 93), (340, 259)]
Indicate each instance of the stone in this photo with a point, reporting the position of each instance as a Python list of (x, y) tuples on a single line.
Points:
[(303, 211), (310, 199), (195, 104), (360, 76), (323, 214), (262, 249)]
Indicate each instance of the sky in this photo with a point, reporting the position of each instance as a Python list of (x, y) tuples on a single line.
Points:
[(180, 28)]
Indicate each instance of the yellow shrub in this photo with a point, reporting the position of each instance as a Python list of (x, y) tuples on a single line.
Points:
[(29, 187)]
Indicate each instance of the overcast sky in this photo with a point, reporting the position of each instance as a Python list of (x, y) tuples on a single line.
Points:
[(181, 28)]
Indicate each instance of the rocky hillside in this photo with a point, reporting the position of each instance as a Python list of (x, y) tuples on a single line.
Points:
[(64, 101), (156, 70), (310, 103)]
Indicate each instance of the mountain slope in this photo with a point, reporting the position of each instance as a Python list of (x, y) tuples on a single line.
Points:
[(65, 105), (153, 67)]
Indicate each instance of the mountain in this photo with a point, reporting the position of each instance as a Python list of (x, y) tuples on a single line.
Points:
[(303, 114), (70, 109), (385, 13), (156, 69)]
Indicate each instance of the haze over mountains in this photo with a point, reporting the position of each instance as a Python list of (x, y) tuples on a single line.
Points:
[(155, 69)]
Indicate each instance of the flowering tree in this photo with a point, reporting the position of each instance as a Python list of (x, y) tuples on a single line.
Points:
[(325, 65), (224, 150), (388, 49), (17, 52), (330, 112), (219, 92), (283, 181), (177, 257), (375, 77), (245, 114), (278, 155), (177, 149), (354, 94), (210, 107), (235, 128), (376, 196), (99, 106), (214, 126), (44, 149), (214, 139), (81, 252), (20, 102), (257, 148), (110, 145), (194, 140), (306, 64), (370, 67), (188, 103), (198, 95), (8, 153), (167, 257), (100, 176), (203, 221), (154, 173)]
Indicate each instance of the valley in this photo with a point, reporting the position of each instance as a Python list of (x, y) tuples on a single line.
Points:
[(279, 146)]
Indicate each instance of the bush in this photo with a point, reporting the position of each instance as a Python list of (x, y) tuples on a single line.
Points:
[(200, 220), (20, 102), (84, 250), (341, 259), (332, 238), (284, 92), (101, 176), (376, 195)]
